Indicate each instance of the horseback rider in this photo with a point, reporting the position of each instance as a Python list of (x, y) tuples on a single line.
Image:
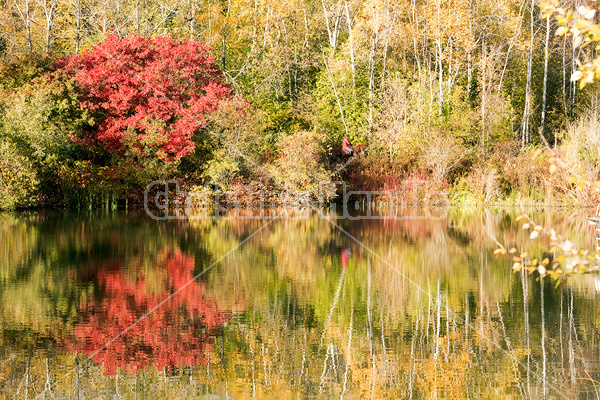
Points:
[(347, 147)]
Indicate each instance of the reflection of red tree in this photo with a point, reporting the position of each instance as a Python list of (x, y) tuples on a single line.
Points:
[(176, 333)]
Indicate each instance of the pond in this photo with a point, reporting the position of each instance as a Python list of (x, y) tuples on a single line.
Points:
[(415, 305)]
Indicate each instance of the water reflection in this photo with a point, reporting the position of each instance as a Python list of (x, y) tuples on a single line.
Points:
[(410, 309), (177, 331)]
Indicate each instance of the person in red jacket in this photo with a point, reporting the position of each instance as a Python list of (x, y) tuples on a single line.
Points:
[(346, 254), (347, 147)]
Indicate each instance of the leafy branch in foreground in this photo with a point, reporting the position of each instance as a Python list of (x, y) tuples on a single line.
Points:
[(567, 259), (580, 24)]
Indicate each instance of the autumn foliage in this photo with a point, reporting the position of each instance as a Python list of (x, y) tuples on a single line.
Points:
[(178, 332), (147, 93)]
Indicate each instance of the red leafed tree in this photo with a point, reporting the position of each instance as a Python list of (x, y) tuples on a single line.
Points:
[(147, 93), (178, 332)]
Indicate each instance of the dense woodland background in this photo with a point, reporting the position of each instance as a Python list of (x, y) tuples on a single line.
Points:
[(453, 94)]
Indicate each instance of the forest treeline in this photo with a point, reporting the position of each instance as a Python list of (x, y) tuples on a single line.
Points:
[(452, 94)]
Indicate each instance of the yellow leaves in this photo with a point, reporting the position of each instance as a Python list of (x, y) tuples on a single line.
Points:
[(535, 154), (545, 261), (500, 251), (561, 31), (542, 270), (552, 169), (516, 267), (549, 7), (512, 251), (581, 25)]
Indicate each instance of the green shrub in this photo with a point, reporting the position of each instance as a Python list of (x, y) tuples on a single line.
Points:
[(299, 166), (18, 179)]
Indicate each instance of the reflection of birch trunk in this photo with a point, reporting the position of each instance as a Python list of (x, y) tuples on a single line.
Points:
[(335, 301), (437, 327), (386, 361), (560, 334), (78, 377), (543, 338), (413, 358), (330, 353), (207, 376), (515, 367), (481, 305), (349, 352), (253, 366), (447, 328), (370, 325), (27, 378), (48, 386), (336, 298), (526, 316), (467, 344), (467, 326), (572, 369), (265, 366), (437, 337), (118, 390)]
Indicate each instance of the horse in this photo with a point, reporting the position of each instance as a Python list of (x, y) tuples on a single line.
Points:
[(358, 149)]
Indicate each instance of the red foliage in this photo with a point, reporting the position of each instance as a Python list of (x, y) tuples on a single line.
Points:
[(147, 92), (178, 332)]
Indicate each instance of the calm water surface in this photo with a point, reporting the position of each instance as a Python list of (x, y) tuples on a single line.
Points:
[(106, 305)]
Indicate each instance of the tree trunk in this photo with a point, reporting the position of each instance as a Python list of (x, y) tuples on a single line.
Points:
[(192, 20), (413, 7), (545, 76), (351, 43), (527, 108), (336, 94), (372, 71), (440, 69), (483, 96), (49, 8), (332, 23), (389, 22), (78, 25)]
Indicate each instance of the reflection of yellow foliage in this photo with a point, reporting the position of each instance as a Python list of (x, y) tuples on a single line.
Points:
[(289, 336)]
